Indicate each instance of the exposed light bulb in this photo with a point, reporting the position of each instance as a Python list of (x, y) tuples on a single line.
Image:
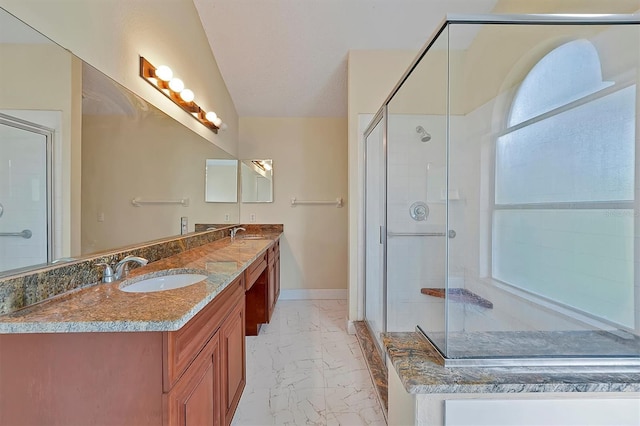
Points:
[(176, 85), (164, 73), (211, 116), (267, 166), (217, 121), (187, 95), (224, 127)]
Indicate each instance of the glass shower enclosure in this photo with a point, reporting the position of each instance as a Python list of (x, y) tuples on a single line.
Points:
[(502, 191)]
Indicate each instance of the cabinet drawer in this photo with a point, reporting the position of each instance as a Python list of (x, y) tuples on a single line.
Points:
[(254, 271), (273, 252), (182, 346)]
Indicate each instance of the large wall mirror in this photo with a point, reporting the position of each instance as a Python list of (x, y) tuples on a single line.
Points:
[(85, 164), (257, 181)]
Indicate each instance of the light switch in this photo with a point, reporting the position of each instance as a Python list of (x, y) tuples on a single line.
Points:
[(184, 225), (252, 217)]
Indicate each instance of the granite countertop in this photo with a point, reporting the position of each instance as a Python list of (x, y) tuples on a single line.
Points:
[(420, 368), (105, 308)]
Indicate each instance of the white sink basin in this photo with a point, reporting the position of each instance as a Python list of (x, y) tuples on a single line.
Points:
[(162, 283)]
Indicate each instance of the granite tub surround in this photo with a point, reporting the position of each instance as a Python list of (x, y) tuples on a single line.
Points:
[(535, 343), (421, 371), (106, 308)]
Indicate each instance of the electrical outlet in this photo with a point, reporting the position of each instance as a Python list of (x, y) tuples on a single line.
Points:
[(100, 217), (252, 217), (226, 217), (184, 225)]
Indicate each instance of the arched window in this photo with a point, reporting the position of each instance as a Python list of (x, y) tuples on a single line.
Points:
[(563, 221)]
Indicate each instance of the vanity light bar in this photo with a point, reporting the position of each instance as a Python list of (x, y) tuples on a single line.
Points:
[(162, 79)]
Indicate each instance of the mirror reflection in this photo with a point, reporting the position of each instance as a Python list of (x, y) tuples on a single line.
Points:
[(76, 150), (257, 181), (221, 181)]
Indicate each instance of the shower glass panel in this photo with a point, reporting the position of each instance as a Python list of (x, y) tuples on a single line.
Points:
[(24, 203), (512, 192), (416, 196), (374, 224), (543, 166)]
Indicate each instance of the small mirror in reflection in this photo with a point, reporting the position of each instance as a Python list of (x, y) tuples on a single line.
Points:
[(257, 181), (221, 181)]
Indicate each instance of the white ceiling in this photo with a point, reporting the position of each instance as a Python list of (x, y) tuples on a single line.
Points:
[(288, 58)]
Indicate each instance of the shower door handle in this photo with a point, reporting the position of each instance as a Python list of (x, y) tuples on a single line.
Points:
[(382, 233), (26, 234)]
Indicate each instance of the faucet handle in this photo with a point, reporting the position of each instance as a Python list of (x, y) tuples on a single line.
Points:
[(107, 275)]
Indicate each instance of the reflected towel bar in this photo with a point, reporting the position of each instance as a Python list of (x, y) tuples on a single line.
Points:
[(26, 234), (337, 202), (451, 233), (138, 202)]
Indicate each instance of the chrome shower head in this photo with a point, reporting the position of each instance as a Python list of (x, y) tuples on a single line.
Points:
[(424, 136)]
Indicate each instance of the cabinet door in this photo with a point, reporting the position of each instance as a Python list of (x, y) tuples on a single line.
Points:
[(272, 288), (195, 399), (233, 361), (277, 267)]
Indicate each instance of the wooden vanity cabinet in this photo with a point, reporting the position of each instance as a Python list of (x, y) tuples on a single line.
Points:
[(232, 344), (205, 371), (256, 295), (273, 255), (190, 377), (263, 289), (196, 398), (278, 271)]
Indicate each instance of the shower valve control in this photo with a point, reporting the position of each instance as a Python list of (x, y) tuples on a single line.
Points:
[(419, 211)]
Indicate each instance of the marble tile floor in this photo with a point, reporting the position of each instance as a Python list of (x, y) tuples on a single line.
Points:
[(304, 369)]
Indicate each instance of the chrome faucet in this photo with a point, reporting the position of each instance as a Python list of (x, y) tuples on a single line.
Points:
[(107, 274), (234, 231), (122, 269)]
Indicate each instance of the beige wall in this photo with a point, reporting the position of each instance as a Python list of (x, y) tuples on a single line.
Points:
[(309, 162), (26, 82), (111, 34)]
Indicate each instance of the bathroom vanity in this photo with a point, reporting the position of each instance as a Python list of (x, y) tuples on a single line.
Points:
[(100, 355), (263, 289)]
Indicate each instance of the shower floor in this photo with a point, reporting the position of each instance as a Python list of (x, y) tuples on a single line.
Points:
[(538, 344)]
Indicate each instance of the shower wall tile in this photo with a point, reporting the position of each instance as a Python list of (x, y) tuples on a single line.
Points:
[(414, 262)]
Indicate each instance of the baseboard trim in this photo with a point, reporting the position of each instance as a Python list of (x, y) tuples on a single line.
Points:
[(302, 294)]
